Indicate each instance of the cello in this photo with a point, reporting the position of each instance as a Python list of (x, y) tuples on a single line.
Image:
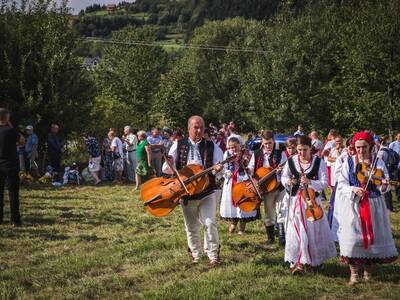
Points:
[(161, 195), (248, 194)]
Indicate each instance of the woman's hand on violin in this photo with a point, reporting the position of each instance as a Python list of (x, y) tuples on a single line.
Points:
[(358, 191), (304, 180), (218, 168), (385, 182)]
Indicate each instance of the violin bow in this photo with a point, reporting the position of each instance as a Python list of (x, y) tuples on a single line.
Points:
[(251, 180), (175, 171), (371, 171)]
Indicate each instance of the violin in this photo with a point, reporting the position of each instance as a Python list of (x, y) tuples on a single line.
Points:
[(364, 172), (314, 211), (248, 194), (161, 195)]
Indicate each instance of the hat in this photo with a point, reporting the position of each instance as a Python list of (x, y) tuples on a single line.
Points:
[(167, 130), (29, 127), (363, 135)]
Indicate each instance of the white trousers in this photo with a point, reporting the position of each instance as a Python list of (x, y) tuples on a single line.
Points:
[(271, 202), (199, 213)]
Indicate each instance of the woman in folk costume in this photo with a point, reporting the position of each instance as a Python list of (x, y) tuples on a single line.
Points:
[(282, 211), (365, 237), (335, 159), (308, 243), (332, 218), (234, 173)]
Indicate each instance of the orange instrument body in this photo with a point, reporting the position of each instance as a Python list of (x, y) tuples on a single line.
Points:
[(161, 195), (167, 192), (314, 211), (245, 195), (364, 172)]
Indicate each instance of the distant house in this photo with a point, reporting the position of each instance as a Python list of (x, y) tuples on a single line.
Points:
[(111, 8), (90, 63)]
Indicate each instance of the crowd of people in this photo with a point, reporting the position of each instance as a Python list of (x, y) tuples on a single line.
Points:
[(357, 222), (359, 206)]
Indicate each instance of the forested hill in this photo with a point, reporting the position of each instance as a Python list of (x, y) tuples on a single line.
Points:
[(177, 16)]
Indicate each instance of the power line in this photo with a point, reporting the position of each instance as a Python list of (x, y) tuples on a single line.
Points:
[(186, 46)]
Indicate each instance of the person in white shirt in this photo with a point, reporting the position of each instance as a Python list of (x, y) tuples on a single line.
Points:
[(131, 142), (396, 144), (329, 145), (118, 154), (333, 156), (317, 145), (269, 155), (299, 131), (200, 210)]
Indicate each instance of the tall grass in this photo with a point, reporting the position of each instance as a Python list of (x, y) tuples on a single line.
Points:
[(99, 243)]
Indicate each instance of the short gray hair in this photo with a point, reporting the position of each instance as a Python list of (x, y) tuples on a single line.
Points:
[(195, 117), (128, 127)]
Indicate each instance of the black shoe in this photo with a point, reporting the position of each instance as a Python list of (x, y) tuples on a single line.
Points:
[(270, 234), (282, 240), (17, 223)]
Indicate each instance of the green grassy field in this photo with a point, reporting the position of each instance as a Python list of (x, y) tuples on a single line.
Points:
[(100, 243)]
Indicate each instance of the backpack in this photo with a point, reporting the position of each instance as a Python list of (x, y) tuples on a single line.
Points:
[(392, 162)]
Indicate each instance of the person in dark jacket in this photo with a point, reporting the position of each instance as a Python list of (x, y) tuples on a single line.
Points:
[(9, 165), (54, 147)]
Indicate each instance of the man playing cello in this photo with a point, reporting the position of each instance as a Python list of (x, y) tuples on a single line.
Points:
[(200, 210), (269, 156)]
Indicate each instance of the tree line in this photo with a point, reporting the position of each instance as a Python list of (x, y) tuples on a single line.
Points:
[(182, 16), (326, 65)]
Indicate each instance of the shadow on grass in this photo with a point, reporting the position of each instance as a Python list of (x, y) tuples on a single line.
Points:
[(42, 234), (32, 220), (58, 197), (387, 273), (381, 273)]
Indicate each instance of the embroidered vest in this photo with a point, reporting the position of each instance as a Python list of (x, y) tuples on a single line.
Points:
[(312, 175), (274, 160), (206, 149)]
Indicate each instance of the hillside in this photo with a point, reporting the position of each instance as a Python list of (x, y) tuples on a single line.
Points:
[(171, 17)]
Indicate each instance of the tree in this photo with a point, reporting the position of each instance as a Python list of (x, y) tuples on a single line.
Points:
[(41, 80), (129, 74)]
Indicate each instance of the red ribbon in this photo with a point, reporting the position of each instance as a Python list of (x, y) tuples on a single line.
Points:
[(366, 221), (304, 223)]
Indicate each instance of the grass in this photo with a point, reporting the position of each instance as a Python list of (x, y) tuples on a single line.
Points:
[(172, 40), (99, 243), (101, 13)]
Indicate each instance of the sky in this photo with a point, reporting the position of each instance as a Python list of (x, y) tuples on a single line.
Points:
[(77, 5)]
